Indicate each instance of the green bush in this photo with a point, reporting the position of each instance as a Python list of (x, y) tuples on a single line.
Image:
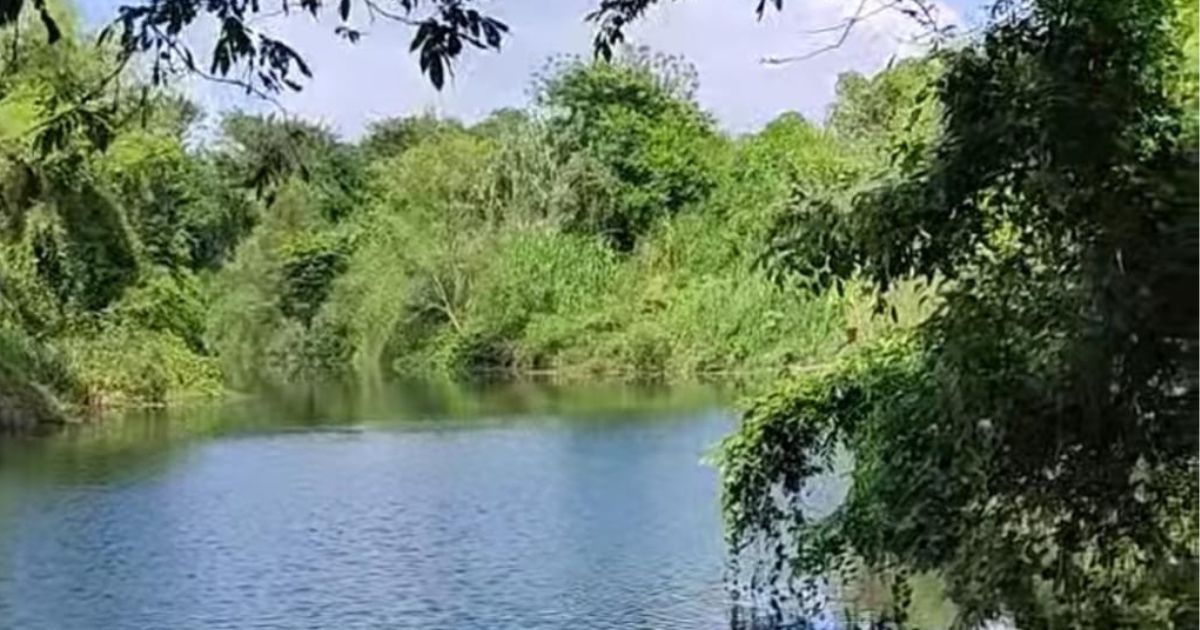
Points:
[(636, 117), (122, 365), (28, 360), (166, 302)]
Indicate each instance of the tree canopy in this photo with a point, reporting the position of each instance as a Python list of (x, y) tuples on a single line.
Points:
[(1034, 442), (251, 57), (972, 288)]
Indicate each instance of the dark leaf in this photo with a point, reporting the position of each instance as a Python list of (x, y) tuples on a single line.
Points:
[(10, 10), (435, 72), (350, 34), (53, 34), (423, 33), (304, 69)]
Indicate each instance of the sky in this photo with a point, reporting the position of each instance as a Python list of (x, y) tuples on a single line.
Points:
[(377, 78)]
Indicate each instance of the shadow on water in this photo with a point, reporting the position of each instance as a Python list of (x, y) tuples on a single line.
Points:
[(121, 442)]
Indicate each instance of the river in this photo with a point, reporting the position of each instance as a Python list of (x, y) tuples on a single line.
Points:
[(515, 506), (418, 507)]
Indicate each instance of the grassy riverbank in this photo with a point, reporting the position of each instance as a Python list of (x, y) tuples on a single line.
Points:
[(610, 230)]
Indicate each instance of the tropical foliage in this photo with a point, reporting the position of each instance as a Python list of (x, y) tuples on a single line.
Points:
[(1033, 442), (610, 229), (971, 288)]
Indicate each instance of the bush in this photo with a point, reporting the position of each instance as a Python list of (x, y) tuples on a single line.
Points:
[(168, 303), (121, 365), (635, 117)]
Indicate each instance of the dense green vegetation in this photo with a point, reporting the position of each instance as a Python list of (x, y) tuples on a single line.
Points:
[(975, 280), (609, 230), (1033, 442)]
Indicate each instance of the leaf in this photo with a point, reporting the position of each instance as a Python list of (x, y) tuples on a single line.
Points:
[(436, 75), (53, 34), (423, 33), (762, 7), (10, 10), (350, 34), (492, 30), (220, 60), (473, 22), (914, 116), (344, 9), (304, 69), (603, 50)]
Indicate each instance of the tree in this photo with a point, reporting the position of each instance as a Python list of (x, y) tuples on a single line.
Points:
[(1034, 441), (249, 57), (263, 64), (392, 136), (634, 116), (107, 217), (267, 64), (891, 116)]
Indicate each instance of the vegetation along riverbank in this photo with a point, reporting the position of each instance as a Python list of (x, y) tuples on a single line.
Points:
[(609, 230), (976, 276)]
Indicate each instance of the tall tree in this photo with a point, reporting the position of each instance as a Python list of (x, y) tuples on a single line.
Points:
[(635, 117), (1035, 441)]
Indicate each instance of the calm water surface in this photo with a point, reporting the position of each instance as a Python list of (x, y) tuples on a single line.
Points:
[(415, 507)]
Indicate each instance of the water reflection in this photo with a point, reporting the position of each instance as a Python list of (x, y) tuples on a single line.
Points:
[(410, 506), (415, 507)]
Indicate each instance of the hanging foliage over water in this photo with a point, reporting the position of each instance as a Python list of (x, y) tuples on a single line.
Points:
[(1034, 443), (1023, 206)]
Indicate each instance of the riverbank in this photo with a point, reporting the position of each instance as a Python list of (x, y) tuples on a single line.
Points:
[(26, 407), (610, 230)]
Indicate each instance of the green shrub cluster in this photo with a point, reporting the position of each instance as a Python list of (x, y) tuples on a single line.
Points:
[(1033, 441), (609, 230)]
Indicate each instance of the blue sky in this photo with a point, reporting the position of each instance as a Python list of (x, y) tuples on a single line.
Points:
[(377, 77)]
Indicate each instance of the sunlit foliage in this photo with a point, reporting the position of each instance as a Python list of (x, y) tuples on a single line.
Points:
[(972, 287)]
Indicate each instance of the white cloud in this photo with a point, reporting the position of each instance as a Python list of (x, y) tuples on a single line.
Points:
[(377, 77)]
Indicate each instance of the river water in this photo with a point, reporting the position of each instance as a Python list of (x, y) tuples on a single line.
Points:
[(412, 507)]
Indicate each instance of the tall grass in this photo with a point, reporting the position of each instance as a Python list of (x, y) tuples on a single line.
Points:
[(466, 261), (528, 244)]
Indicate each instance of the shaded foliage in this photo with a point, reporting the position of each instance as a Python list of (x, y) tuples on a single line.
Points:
[(1035, 441), (102, 240)]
